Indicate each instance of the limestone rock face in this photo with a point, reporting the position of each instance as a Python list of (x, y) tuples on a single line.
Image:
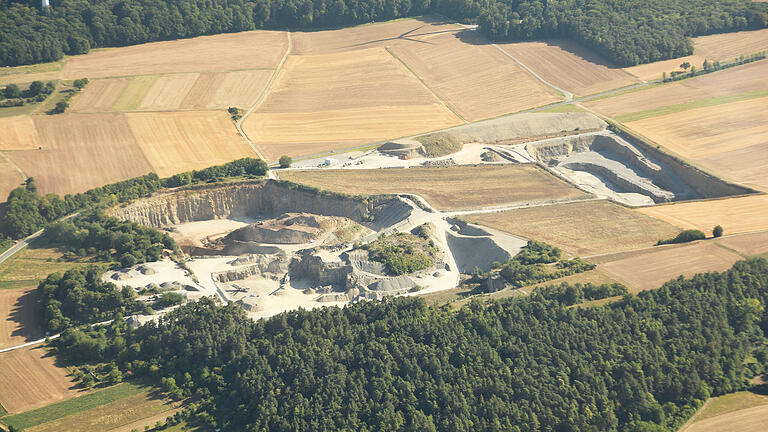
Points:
[(248, 199)]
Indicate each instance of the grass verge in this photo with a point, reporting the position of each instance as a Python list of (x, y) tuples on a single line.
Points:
[(72, 406)]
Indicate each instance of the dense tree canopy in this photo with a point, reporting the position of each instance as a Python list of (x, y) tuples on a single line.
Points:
[(627, 31), (644, 363)]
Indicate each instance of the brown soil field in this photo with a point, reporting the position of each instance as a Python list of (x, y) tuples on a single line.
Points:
[(100, 95), (570, 66), (748, 244), (18, 323), (81, 151), (333, 101), (391, 33), (475, 78), (175, 142), (740, 79), (582, 228), (650, 268), (168, 92), (223, 90), (223, 52), (18, 133), (655, 70), (133, 412), (728, 46), (452, 188), (730, 140), (10, 178), (745, 420), (29, 379), (735, 215)]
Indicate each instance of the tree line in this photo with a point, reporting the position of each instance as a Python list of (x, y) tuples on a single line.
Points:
[(26, 211), (644, 363), (625, 31)]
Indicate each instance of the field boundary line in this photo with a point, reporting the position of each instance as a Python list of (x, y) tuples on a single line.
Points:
[(695, 415), (434, 93), (13, 164), (262, 96)]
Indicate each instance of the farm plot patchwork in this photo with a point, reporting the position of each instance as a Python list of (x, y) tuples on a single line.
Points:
[(30, 379), (730, 140), (570, 66), (224, 52), (735, 215), (81, 151), (330, 101), (100, 95), (737, 80), (581, 228), (650, 268), (447, 188), (175, 142)]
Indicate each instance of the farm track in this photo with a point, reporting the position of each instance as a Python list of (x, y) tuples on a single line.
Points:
[(261, 98)]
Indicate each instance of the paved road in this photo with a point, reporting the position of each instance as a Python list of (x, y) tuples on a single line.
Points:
[(21, 244), (263, 94)]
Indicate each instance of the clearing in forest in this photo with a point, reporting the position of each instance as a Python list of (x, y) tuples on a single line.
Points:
[(735, 215), (455, 188), (728, 140), (737, 80), (230, 51), (330, 101), (174, 142), (570, 66), (80, 152), (30, 379), (727, 46), (581, 228), (650, 268)]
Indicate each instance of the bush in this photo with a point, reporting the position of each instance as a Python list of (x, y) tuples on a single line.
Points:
[(684, 237), (11, 91), (285, 161), (80, 83), (717, 231), (127, 260), (401, 253), (60, 107)]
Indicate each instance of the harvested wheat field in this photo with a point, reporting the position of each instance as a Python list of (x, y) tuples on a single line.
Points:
[(223, 90), (81, 151), (100, 95), (747, 244), (727, 46), (10, 178), (744, 420), (397, 32), (741, 79), (452, 188), (650, 268), (655, 70), (331, 101), (570, 66), (18, 133), (730, 140), (167, 93), (18, 317), (581, 228), (224, 52), (29, 379), (735, 215), (473, 77), (183, 141)]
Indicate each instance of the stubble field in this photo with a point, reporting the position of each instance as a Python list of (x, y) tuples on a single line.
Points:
[(728, 140), (18, 318), (453, 188), (570, 66), (727, 46), (735, 215), (581, 228)]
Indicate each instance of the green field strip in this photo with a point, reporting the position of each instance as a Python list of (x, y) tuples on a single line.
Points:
[(701, 103), (133, 94), (564, 108), (72, 406), (16, 284)]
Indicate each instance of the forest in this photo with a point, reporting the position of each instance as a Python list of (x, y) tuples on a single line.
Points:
[(26, 211), (640, 364), (627, 32)]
